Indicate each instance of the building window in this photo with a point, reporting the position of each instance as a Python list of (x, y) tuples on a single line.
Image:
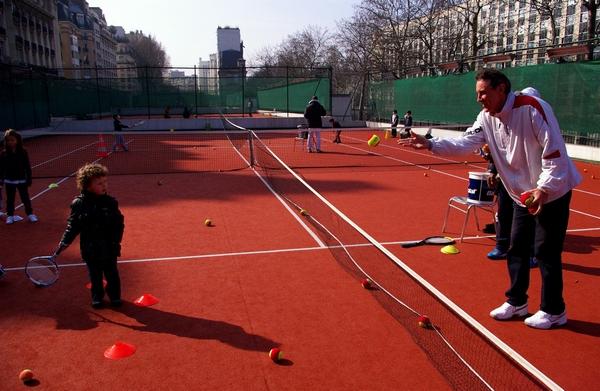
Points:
[(569, 30)]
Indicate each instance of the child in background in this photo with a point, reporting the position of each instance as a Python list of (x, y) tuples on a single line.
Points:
[(119, 138), (96, 216), (338, 130), (15, 173)]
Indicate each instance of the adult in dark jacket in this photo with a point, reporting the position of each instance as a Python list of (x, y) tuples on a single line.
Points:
[(96, 217), (313, 113)]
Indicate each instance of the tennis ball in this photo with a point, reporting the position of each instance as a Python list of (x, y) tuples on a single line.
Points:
[(26, 375), (208, 222), (585, 170), (425, 174), (159, 183), (424, 322), (466, 162), (303, 212), (366, 283), (528, 201), (275, 354)]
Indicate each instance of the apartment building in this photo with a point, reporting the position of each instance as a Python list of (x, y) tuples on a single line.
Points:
[(29, 33), (208, 75), (509, 33), (105, 50), (127, 74)]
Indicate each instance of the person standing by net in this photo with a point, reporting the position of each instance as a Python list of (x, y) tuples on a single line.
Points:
[(96, 217), (313, 113), (16, 175), (530, 155), (394, 123), (408, 121), (119, 138)]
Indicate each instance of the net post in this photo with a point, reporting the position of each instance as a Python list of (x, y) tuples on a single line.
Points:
[(251, 146)]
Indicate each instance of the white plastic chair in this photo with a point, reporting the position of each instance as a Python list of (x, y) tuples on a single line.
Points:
[(464, 205)]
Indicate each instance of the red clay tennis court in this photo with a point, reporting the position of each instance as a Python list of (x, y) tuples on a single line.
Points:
[(266, 275)]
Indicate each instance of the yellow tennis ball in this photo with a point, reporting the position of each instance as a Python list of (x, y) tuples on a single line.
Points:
[(303, 212), (208, 222), (26, 375)]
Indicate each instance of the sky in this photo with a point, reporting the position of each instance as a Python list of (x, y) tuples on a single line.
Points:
[(187, 29)]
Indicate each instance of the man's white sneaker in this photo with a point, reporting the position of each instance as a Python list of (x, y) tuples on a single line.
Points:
[(33, 218), (507, 311), (10, 219), (543, 320)]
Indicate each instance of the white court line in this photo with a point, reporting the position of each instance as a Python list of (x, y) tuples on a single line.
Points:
[(272, 251), (58, 183), (63, 155), (285, 205), (447, 174)]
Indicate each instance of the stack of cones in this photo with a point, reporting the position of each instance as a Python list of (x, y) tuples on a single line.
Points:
[(102, 151)]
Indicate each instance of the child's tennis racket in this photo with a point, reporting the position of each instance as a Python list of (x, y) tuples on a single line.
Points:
[(138, 124), (435, 240), (42, 271)]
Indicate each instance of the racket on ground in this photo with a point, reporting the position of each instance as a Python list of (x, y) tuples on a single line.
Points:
[(42, 271), (435, 240)]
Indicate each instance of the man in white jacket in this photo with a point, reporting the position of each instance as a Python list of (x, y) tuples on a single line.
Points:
[(530, 155)]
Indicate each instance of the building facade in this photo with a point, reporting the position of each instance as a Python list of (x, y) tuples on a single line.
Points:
[(208, 75), (29, 33), (105, 46), (508, 33)]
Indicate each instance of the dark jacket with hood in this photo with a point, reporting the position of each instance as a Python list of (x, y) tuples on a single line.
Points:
[(99, 221)]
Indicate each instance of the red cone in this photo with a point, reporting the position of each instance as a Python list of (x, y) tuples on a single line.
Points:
[(102, 151), (146, 300), (119, 350)]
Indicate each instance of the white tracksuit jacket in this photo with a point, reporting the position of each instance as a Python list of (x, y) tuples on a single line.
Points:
[(526, 146)]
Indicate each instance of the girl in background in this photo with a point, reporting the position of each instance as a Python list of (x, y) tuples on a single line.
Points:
[(15, 173)]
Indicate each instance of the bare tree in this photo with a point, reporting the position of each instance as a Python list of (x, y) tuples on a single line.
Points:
[(549, 10), (389, 23), (424, 28), (471, 15), (148, 52), (359, 42), (593, 26)]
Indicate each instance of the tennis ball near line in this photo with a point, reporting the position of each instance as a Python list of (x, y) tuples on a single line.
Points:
[(424, 322), (26, 375), (303, 212), (425, 174), (365, 283), (208, 222), (276, 354)]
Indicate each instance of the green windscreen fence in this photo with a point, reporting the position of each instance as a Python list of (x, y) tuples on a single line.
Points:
[(572, 89), (294, 97), (29, 98)]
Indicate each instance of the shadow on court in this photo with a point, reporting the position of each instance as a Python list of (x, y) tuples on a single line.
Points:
[(157, 321)]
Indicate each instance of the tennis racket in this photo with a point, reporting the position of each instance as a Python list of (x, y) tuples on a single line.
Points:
[(138, 124), (435, 240), (42, 271)]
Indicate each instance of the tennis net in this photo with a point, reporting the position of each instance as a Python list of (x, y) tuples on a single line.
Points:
[(59, 154), (463, 351)]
